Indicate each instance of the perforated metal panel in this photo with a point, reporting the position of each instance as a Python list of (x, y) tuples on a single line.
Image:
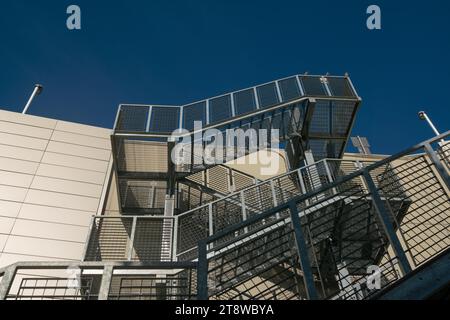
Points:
[(133, 118), (267, 95), (164, 119), (244, 101), (220, 108), (289, 89), (340, 87), (194, 112), (313, 86)]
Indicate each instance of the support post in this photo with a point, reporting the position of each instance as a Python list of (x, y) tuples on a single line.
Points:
[(387, 225), (438, 164), (302, 251), (106, 282), (130, 245), (202, 272)]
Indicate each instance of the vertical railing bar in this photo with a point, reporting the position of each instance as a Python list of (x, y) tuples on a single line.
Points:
[(175, 239), (274, 196), (132, 235), (255, 93), (387, 225), (300, 86), (149, 117), (330, 177), (202, 271), (210, 220), (244, 210), (438, 165), (277, 86), (302, 184), (233, 109), (207, 111), (302, 251)]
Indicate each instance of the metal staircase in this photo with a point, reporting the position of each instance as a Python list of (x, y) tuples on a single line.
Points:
[(325, 229), (310, 112)]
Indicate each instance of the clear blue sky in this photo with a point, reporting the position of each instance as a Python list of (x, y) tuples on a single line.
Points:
[(174, 52)]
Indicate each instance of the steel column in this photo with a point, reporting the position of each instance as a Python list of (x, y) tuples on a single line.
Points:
[(202, 272), (387, 225), (302, 250), (106, 282), (437, 163)]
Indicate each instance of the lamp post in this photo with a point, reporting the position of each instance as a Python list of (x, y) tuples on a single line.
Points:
[(423, 116), (37, 90)]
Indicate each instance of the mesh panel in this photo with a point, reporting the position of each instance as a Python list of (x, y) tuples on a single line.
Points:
[(342, 113), (340, 87), (289, 89), (133, 118), (260, 266), (220, 108), (267, 95), (425, 225), (194, 112), (313, 86), (244, 101), (164, 119)]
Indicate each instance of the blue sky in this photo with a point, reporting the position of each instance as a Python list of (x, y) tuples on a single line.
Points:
[(174, 52)]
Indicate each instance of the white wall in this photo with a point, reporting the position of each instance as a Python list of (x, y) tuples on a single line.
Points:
[(52, 177)]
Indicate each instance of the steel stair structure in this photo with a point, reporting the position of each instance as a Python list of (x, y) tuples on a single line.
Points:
[(311, 113), (325, 229)]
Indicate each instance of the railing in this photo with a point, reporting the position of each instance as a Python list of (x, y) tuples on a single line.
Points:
[(213, 217), (98, 281), (390, 217), (325, 244), (157, 118), (131, 238)]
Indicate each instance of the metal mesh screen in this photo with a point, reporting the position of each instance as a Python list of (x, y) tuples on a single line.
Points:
[(267, 95), (289, 89), (194, 112), (132, 118), (244, 101), (165, 119), (340, 87), (313, 86), (220, 108)]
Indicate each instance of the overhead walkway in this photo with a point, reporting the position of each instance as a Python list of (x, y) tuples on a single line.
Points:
[(313, 113)]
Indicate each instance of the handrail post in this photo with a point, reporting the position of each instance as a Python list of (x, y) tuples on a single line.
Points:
[(329, 175), (132, 235), (243, 209), (386, 223), (438, 165), (274, 196), (302, 251), (202, 271), (175, 239)]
